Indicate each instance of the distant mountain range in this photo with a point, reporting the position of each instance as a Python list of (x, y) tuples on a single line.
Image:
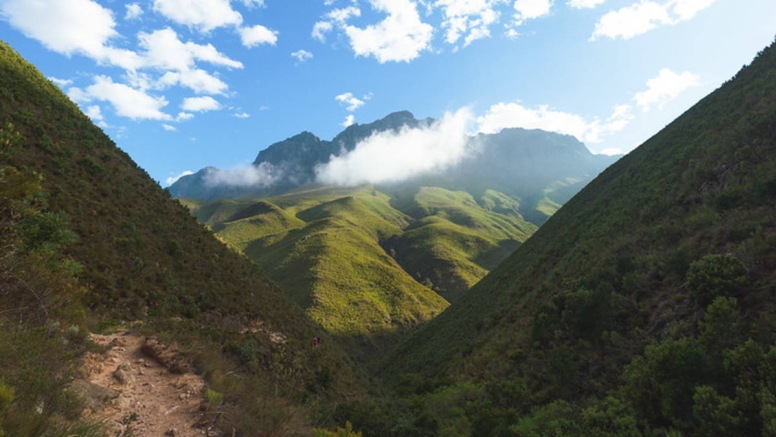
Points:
[(527, 165), (372, 262)]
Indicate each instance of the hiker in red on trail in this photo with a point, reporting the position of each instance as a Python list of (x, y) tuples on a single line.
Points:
[(316, 341)]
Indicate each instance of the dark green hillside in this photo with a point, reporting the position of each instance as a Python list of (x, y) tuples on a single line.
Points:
[(644, 305), (143, 257)]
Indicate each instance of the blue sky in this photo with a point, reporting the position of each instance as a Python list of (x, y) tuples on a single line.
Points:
[(184, 84)]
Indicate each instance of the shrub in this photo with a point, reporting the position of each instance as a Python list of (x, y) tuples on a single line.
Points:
[(716, 275)]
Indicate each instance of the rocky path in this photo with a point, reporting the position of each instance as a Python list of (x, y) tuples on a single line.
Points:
[(140, 388)]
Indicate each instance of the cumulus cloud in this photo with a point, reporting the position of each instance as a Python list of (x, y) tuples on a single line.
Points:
[(641, 17), (584, 4), (133, 11), (242, 115), (349, 120), (94, 112), (257, 35), (70, 27), (126, 101), (164, 50), (205, 15), (200, 104), (200, 81), (168, 128), (530, 9), (349, 99), (511, 115), (302, 55), (400, 37), (665, 87), (61, 82), (320, 29), (470, 19), (261, 176), (391, 156), (173, 179)]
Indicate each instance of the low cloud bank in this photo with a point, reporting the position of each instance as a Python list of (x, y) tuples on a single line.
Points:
[(390, 156), (261, 176)]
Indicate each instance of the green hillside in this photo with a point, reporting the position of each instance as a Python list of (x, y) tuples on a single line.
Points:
[(124, 251), (644, 306), (367, 266)]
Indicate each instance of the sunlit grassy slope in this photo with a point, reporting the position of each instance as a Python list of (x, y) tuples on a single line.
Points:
[(605, 299), (368, 266)]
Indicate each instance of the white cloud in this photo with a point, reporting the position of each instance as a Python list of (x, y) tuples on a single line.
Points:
[(61, 82), (400, 37), (200, 81), (164, 50), (173, 179), (69, 27), (205, 15), (126, 101), (320, 29), (530, 9), (390, 156), (349, 120), (511, 115), (336, 16), (302, 55), (133, 11), (252, 3), (242, 115), (611, 151), (183, 116), (641, 17), (257, 35), (168, 127), (263, 175), (665, 87), (584, 4), (468, 18), (94, 113), (350, 100), (200, 104)]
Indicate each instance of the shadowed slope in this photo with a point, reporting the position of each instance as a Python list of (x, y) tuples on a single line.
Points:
[(144, 257), (615, 270)]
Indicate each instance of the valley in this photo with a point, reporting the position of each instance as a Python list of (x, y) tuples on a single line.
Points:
[(527, 288)]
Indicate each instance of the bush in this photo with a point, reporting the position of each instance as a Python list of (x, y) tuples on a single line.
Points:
[(716, 275)]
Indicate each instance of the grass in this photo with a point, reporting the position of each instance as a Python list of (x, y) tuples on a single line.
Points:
[(363, 269)]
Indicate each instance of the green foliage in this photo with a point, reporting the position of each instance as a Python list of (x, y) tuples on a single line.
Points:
[(661, 383), (6, 398), (347, 431), (610, 417), (716, 414), (716, 275), (213, 398)]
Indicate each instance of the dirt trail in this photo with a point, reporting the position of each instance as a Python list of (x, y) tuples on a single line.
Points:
[(149, 400)]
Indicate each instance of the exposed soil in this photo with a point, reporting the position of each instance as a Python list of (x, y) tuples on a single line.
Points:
[(140, 395)]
